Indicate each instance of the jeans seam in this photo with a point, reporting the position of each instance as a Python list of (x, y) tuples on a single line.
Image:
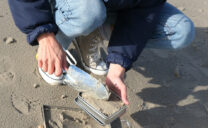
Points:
[(65, 17), (163, 25), (169, 31)]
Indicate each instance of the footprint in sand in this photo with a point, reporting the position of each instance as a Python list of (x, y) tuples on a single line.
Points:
[(6, 77), (22, 105), (5, 64), (5, 74)]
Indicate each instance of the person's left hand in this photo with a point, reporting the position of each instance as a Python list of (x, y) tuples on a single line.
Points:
[(51, 57), (114, 81)]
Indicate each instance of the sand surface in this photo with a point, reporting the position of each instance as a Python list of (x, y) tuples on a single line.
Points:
[(70, 118), (166, 89), (114, 104)]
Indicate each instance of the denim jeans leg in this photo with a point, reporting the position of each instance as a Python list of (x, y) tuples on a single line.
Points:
[(174, 31), (77, 17)]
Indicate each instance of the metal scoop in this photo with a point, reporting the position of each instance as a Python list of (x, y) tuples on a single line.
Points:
[(83, 82)]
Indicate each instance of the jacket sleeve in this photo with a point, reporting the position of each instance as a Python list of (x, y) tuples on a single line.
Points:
[(33, 17), (120, 4), (131, 32), (126, 4)]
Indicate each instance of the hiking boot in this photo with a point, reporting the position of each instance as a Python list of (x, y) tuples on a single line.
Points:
[(88, 48)]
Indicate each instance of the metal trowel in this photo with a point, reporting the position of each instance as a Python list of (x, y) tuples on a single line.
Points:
[(83, 82)]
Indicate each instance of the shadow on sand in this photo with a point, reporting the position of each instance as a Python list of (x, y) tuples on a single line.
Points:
[(182, 101)]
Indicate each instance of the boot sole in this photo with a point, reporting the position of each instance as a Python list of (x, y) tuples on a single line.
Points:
[(49, 80)]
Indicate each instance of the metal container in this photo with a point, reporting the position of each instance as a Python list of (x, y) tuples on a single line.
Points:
[(97, 115)]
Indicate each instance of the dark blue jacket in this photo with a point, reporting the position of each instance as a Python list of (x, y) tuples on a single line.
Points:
[(134, 26)]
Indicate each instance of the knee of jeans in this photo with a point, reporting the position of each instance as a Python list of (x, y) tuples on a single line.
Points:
[(91, 22), (92, 14), (186, 34)]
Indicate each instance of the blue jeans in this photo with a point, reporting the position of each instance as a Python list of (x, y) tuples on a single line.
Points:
[(174, 30), (77, 17), (80, 17)]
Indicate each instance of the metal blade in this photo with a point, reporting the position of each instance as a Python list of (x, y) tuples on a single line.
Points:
[(83, 82)]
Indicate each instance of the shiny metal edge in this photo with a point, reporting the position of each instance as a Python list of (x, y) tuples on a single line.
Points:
[(97, 115), (77, 101)]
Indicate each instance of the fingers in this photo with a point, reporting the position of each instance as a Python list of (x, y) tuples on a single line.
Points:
[(40, 63), (116, 89), (123, 91), (124, 95), (111, 85), (58, 68), (45, 66), (42, 60), (119, 88), (51, 67), (65, 65)]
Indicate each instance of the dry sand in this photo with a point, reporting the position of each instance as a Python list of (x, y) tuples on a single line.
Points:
[(166, 89)]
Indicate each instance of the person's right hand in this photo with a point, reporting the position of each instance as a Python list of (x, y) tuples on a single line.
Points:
[(51, 57), (114, 80)]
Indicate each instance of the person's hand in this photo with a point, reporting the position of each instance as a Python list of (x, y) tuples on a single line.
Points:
[(51, 57), (114, 81)]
